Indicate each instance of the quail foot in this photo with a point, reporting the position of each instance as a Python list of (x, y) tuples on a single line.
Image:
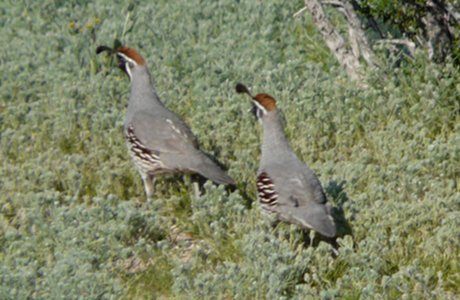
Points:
[(286, 186), (158, 141)]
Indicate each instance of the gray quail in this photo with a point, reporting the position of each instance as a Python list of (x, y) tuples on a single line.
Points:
[(286, 186), (159, 142)]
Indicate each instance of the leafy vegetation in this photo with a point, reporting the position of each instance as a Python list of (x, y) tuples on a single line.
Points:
[(426, 24), (73, 220)]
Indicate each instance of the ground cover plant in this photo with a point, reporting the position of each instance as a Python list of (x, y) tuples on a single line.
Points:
[(73, 220)]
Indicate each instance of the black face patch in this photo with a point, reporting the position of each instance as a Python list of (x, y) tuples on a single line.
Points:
[(256, 111), (122, 64)]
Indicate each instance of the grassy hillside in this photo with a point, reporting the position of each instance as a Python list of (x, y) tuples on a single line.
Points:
[(73, 220)]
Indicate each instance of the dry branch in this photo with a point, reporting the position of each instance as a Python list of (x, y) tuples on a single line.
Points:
[(333, 39), (357, 36)]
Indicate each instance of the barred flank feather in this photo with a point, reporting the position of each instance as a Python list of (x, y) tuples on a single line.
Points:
[(144, 158), (266, 191)]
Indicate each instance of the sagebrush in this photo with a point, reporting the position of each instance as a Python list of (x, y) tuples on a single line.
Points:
[(74, 223)]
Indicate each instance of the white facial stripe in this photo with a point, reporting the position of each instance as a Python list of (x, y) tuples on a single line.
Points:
[(259, 106), (129, 72), (127, 58)]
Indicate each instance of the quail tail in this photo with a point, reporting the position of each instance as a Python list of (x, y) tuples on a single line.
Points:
[(313, 216), (209, 169)]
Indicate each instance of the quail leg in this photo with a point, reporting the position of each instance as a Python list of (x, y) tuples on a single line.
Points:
[(196, 189), (149, 181)]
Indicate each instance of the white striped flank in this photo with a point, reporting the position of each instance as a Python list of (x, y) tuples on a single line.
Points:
[(266, 190), (177, 130), (144, 158)]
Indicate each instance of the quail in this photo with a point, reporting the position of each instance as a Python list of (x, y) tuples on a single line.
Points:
[(158, 141), (285, 185)]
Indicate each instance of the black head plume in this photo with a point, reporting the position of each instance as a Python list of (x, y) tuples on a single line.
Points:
[(242, 89), (103, 48)]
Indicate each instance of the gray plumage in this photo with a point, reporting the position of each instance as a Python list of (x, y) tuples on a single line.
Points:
[(286, 185), (159, 142)]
